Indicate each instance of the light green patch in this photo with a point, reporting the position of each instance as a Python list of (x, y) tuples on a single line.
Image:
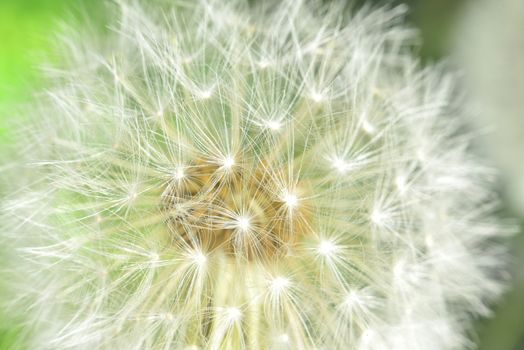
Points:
[(26, 32)]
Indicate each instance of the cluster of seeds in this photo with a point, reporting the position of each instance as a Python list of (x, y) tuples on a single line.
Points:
[(213, 175), (232, 207)]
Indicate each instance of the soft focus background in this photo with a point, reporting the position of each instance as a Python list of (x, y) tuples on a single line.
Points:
[(26, 40)]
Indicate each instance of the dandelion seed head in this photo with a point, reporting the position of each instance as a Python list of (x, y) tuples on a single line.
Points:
[(170, 189)]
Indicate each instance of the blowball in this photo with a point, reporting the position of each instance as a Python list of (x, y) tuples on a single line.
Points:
[(213, 175)]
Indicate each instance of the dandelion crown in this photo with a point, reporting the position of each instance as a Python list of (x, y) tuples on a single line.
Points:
[(214, 175)]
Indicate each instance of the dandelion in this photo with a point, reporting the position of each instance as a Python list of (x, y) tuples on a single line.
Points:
[(218, 175)]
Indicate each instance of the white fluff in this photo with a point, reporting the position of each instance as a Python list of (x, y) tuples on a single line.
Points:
[(300, 120)]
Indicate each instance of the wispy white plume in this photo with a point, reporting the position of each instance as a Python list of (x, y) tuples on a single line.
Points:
[(214, 175)]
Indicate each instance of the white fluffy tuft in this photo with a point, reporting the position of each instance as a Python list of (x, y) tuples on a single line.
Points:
[(217, 176)]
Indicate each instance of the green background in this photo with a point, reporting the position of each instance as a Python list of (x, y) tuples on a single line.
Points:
[(26, 38)]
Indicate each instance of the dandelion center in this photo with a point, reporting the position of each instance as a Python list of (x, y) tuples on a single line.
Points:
[(239, 210)]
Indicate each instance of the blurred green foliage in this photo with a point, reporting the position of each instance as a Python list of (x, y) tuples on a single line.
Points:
[(26, 28)]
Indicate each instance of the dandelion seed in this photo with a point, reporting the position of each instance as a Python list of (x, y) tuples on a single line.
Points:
[(279, 284), (243, 223), (264, 63), (284, 338), (205, 94), (154, 257), (228, 162), (351, 299), (341, 165), (233, 314), (400, 181), (273, 125), (132, 195), (378, 217), (199, 259), (290, 199), (327, 248), (317, 97), (368, 127), (179, 174)]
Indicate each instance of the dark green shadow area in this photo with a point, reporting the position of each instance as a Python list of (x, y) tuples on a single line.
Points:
[(435, 19)]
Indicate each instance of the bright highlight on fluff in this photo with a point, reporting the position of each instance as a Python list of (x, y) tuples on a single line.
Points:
[(340, 165), (219, 175), (228, 162), (326, 248), (199, 258), (274, 124), (279, 284), (243, 223), (290, 199), (179, 174)]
